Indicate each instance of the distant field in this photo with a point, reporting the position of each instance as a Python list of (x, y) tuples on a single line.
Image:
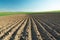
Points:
[(8, 13), (13, 13)]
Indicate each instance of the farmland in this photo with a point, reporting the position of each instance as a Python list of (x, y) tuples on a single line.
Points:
[(30, 27)]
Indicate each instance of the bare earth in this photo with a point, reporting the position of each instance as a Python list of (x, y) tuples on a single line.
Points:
[(30, 27)]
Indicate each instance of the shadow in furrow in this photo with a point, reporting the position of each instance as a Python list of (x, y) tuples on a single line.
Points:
[(51, 31), (56, 26), (42, 32), (34, 36), (24, 33), (14, 34)]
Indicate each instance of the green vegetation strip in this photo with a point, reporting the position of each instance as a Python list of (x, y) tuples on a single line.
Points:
[(13, 13)]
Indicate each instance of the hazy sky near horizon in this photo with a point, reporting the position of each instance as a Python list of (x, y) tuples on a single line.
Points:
[(29, 5)]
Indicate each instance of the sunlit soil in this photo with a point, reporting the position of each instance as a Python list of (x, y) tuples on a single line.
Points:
[(30, 27)]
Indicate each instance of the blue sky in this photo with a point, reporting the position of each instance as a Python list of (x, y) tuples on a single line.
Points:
[(29, 5)]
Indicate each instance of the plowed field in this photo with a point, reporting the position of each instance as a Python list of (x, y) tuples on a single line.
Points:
[(30, 27)]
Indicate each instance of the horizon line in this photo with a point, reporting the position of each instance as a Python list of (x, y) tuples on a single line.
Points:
[(33, 11)]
